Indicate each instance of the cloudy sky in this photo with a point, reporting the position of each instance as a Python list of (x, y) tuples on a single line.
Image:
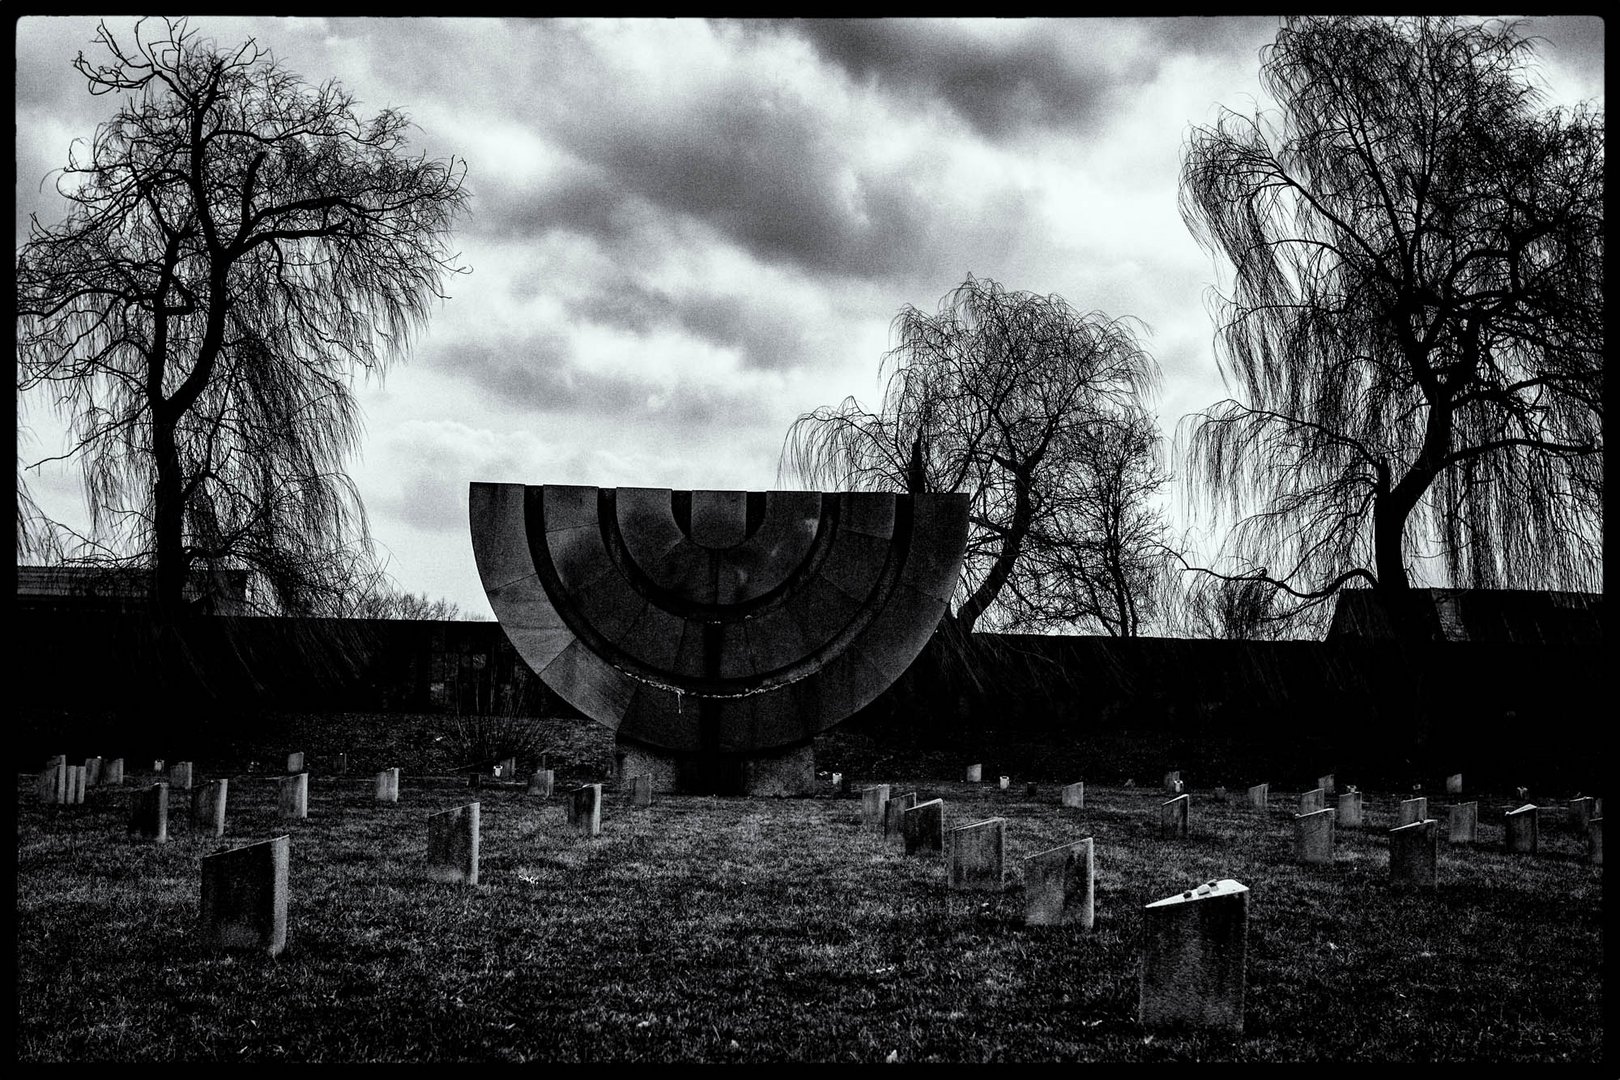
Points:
[(685, 233)]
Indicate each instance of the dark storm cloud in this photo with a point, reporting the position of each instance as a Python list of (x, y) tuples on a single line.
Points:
[(765, 334)]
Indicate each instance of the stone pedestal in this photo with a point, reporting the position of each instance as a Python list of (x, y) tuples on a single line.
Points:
[(453, 845), (1194, 954), (244, 897), (1058, 886)]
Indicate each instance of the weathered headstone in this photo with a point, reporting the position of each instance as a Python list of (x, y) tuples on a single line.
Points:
[(872, 800), (1350, 810), (1005, 782), (112, 772), (1176, 787), (1463, 824), (53, 783), (1454, 784), (157, 766), (180, 776), (1523, 828), (294, 796), (342, 764), (208, 805), (1580, 812), (77, 775), (453, 845), (244, 897), (585, 809), (837, 780), (540, 783), (1074, 794), (149, 817), (1414, 852), (893, 815), (978, 851), (1412, 810), (923, 827), (641, 790), (1325, 782), (1313, 837), (1173, 814), (1058, 886), (295, 762), (1594, 841), (1194, 952), (1257, 796), (506, 769), (388, 786), (92, 771), (1313, 800), (1171, 779)]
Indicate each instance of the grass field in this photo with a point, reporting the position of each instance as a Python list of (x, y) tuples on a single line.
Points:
[(781, 930)]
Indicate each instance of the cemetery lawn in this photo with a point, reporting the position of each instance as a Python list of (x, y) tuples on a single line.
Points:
[(715, 930)]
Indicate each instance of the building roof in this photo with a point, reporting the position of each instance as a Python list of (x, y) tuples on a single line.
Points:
[(123, 588), (1519, 616)]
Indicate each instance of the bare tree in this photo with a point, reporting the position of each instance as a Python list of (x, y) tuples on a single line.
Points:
[(238, 245), (388, 603), (1415, 326), (1019, 400)]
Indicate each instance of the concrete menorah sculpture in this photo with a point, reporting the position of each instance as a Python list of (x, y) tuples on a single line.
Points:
[(717, 632)]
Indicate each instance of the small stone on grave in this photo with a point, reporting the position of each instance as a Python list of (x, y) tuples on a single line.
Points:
[(1414, 853), (294, 796), (978, 852), (452, 854), (922, 827), (1523, 829), (1193, 959), (1412, 810), (1463, 824), (149, 817), (1074, 794), (1313, 838), (894, 813), (1350, 809), (244, 897), (1173, 816), (872, 800), (585, 809), (1058, 886)]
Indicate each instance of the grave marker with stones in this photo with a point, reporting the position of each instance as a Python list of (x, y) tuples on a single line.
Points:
[(1463, 826), (1257, 797), (244, 897), (1412, 810), (585, 809), (894, 816), (208, 805), (149, 816), (1313, 800), (978, 851), (452, 854), (1313, 838), (293, 800), (1074, 795), (1414, 852), (1523, 829), (1173, 816), (1058, 886), (872, 800), (1194, 953), (180, 776), (922, 828), (540, 783), (1350, 810)]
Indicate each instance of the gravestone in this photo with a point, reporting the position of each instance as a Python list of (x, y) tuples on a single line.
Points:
[(112, 772), (92, 771), (149, 816), (294, 796), (1414, 852), (342, 764), (76, 783), (452, 854), (1257, 796), (1313, 800), (1350, 809), (1074, 795), (244, 897), (837, 780), (506, 768), (1454, 784), (1171, 779), (541, 783), (1176, 787), (1594, 841), (722, 630), (1173, 816), (1326, 784), (388, 786), (53, 783), (180, 776), (295, 762), (1005, 780), (922, 827), (1031, 789), (1523, 828), (1313, 838), (585, 809), (975, 773), (641, 790), (1412, 810), (872, 800), (1463, 825), (894, 815), (1194, 950), (978, 851), (1581, 812), (1058, 886), (157, 766), (208, 805)]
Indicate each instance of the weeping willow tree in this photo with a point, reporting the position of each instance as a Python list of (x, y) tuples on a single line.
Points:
[(1415, 323), (238, 245), (1036, 410)]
